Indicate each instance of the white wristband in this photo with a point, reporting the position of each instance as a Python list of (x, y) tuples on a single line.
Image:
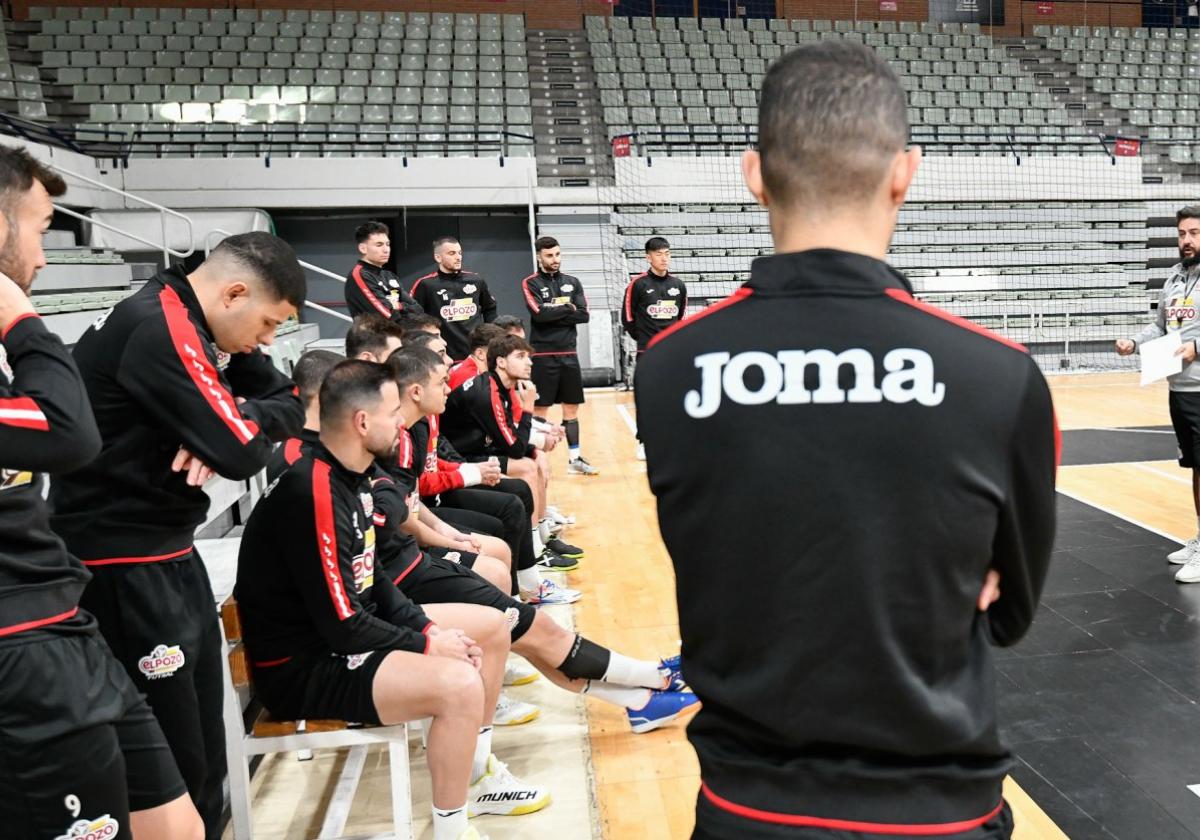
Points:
[(471, 475)]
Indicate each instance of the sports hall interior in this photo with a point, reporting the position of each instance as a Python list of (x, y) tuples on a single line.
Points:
[(1059, 141)]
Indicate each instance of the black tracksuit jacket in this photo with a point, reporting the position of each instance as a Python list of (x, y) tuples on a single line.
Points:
[(557, 306), (46, 425), (307, 581), (370, 288), (155, 382), (652, 304), (478, 420), (837, 467), (461, 301)]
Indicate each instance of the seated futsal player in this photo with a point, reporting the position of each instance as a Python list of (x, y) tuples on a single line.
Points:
[(331, 638), (82, 751), (853, 696)]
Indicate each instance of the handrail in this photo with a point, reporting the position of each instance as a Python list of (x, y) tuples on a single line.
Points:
[(314, 268), (163, 212)]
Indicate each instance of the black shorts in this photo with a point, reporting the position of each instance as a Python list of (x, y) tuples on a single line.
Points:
[(160, 619), (1185, 417), (466, 559), (442, 581), (712, 823), (323, 686), (558, 379), (77, 741)]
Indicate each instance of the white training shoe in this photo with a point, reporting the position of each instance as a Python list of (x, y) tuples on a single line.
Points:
[(559, 517), (1190, 571), (510, 712), (519, 672), (498, 791), (1184, 553), (641, 452)]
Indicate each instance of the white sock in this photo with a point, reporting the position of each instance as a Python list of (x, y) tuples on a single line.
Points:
[(618, 695), (625, 670), (449, 824), (528, 580), (544, 530), (574, 451), (538, 545), (483, 748), (1198, 527)]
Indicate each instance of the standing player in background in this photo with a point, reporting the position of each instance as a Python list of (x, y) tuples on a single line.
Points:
[(181, 391), (370, 287), (854, 696), (80, 750), (557, 307), (1178, 308), (654, 300), (459, 299)]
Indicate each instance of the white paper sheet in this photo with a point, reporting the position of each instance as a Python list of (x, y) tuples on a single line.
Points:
[(1159, 359)]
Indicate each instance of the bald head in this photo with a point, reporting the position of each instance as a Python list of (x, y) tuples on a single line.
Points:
[(832, 118)]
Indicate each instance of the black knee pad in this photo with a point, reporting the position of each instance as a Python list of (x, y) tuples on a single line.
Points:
[(586, 661)]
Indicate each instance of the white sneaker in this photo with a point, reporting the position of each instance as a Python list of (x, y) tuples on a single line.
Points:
[(578, 466), (498, 791), (510, 712), (559, 517), (1185, 553), (1190, 571), (641, 452), (552, 525), (519, 672), (549, 592)]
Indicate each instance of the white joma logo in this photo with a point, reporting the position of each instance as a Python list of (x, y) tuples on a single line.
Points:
[(909, 377)]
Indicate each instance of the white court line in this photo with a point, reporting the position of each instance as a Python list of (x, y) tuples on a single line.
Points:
[(1129, 431), (1149, 469), (1194, 789), (628, 418), (1120, 515)]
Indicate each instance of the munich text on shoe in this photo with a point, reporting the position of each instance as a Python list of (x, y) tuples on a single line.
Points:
[(499, 792), (556, 562), (1184, 553), (550, 592), (578, 466), (563, 549), (664, 707), (519, 672), (510, 712)]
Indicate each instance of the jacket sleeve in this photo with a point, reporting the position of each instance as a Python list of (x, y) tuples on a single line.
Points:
[(319, 547), (580, 314), (539, 311), (408, 306), (1025, 534), (46, 422), (271, 398), (172, 373), (488, 301), (628, 322), (420, 293), (447, 452), (488, 411), (398, 609), (1158, 328), (442, 481), (683, 297), (369, 288)]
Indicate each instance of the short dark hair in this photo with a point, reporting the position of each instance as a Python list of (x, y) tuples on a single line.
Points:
[(1191, 211), (656, 243), (352, 385), (413, 366), (442, 240), (504, 346), (368, 229), (831, 116), (508, 322), (271, 260), (310, 371), (369, 333), (421, 339), (544, 243), (415, 322), (18, 171), (484, 334)]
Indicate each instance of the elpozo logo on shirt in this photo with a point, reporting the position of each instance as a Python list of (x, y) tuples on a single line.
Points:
[(102, 828), (1180, 311), (162, 662), (462, 309), (663, 310), (14, 478), (364, 564)]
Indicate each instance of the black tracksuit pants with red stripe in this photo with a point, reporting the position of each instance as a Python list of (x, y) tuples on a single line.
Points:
[(178, 670)]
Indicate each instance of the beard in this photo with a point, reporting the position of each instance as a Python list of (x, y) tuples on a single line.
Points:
[(387, 453), (11, 264), (1187, 261)]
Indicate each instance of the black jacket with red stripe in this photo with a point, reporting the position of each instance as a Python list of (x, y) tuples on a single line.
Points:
[(479, 420), (307, 583), (461, 301), (156, 382), (897, 454), (46, 425), (652, 304), (370, 288), (556, 306)]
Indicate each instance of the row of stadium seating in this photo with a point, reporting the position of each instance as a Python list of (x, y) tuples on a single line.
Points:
[(200, 15)]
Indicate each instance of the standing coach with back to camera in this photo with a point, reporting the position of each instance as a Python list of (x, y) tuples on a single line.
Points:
[(854, 695)]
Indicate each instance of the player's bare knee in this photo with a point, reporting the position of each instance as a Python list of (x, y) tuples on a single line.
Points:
[(458, 690)]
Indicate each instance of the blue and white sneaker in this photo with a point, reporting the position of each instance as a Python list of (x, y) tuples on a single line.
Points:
[(549, 592), (664, 707), (671, 669)]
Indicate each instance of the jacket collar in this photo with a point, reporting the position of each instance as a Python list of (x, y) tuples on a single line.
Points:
[(351, 478), (824, 269), (176, 279)]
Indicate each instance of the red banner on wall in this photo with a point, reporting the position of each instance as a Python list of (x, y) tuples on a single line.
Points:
[(621, 146), (1045, 8), (1127, 147), (887, 5)]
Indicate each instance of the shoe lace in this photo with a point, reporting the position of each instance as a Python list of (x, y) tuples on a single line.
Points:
[(1193, 561)]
